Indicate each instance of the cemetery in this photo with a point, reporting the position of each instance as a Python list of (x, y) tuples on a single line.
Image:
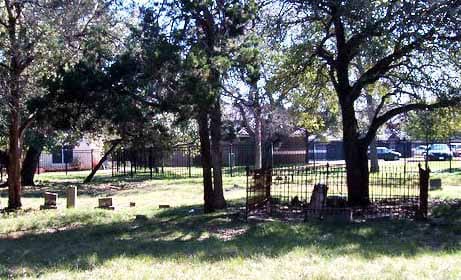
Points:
[(230, 139)]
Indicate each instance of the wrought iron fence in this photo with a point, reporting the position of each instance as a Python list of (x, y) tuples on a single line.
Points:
[(185, 161), (395, 192)]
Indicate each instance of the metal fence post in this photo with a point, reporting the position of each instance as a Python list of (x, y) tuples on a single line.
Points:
[(92, 164), (38, 164), (189, 163), (247, 171), (451, 156), (451, 170), (313, 152), (163, 162), (231, 152), (117, 162), (272, 155), (131, 163), (150, 163), (124, 162), (135, 162), (112, 165)]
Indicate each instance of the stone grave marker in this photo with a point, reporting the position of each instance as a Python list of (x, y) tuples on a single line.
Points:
[(105, 203), (51, 200), (71, 197), (435, 184)]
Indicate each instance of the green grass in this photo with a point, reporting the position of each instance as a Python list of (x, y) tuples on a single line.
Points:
[(183, 243)]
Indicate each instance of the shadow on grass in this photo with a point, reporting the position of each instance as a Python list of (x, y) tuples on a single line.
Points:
[(182, 233), (101, 186), (108, 186)]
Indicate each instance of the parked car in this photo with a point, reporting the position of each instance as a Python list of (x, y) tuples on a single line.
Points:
[(386, 153), (439, 152), (420, 150), (456, 149)]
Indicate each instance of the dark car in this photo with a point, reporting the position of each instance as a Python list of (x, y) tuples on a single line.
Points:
[(386, 154), (439, 152)]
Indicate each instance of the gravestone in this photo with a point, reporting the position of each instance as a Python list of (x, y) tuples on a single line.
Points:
[(435, 184), (71, 197), (141, 218), (318, 201), (51, 200), (105, 203)]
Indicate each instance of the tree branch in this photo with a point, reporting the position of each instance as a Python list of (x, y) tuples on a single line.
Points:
[(385, 64), (379, 121), (245, 119), (27, 123)]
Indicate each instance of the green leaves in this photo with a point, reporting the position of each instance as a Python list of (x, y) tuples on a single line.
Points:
[(438, 125)]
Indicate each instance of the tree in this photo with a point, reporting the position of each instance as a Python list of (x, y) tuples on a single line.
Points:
[(206, 31), (312, 105), (29, 29), (97, 99), (418, 60), (438, 125), (168, 70), (248, 64)]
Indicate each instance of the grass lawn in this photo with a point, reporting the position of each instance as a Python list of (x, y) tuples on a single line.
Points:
[(182, 243)]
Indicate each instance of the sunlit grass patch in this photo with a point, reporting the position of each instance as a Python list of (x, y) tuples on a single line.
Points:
[(183, 243)]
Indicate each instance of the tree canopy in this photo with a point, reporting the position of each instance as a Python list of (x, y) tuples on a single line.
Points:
[(84, 66)]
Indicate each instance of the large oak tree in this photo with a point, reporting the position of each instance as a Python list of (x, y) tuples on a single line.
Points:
[(416, 57), (32, 35)]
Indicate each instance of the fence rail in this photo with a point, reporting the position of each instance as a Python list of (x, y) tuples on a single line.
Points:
[(185, 161), (390, 193)]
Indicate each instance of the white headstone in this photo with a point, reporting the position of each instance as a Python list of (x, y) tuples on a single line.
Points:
[(71, 197)]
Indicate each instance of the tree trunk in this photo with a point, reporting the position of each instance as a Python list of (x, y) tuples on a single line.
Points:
[(14, 156), (216, 151), (101, 161), (357, 172), (258, 124), (355, 152), (258, 141), (30, 164), (205, 153), (374, 163), (14, 86)]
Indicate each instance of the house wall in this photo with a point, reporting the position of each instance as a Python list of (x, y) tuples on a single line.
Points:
[(85, 154)]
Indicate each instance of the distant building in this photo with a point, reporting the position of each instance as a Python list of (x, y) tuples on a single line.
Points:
[(83, 156)]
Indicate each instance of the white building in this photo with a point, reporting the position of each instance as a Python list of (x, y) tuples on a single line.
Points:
[(82, 156)]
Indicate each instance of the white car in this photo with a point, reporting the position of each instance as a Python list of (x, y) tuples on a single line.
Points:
[(420, 150)]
